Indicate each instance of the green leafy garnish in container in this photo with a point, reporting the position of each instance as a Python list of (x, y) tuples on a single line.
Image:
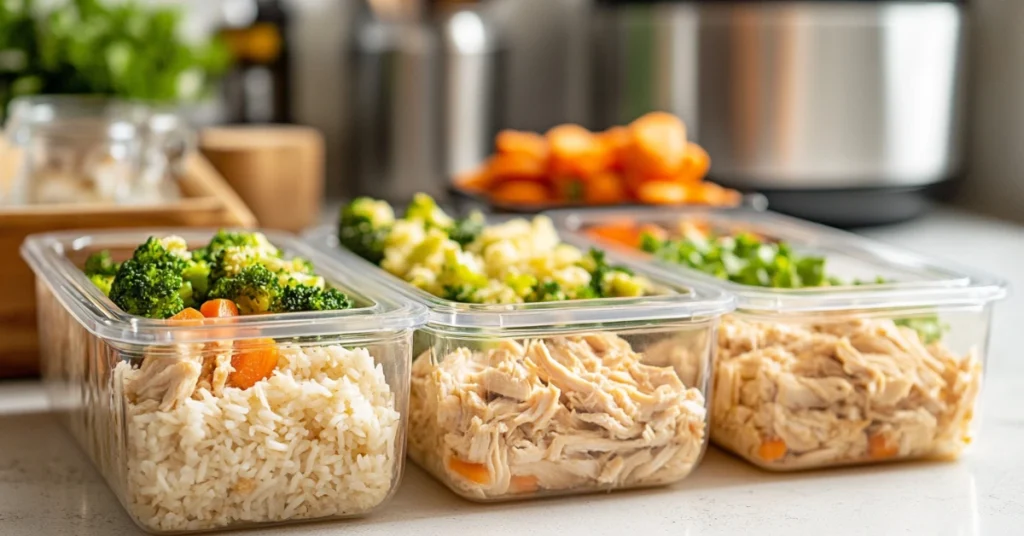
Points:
[(746, 259)]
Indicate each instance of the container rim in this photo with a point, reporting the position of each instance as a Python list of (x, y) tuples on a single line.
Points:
[(46, 254), (942, 283), (688, 299)]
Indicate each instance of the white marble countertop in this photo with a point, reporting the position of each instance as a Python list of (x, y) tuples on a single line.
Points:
[(48, 488)]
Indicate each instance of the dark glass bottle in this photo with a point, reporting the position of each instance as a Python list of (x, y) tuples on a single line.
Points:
[(257, 89)]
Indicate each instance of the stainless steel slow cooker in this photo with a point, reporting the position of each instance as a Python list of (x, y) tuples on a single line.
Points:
[(846, 112)]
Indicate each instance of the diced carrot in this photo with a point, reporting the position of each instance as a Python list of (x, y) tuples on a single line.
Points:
[(524, 484), (709, 193), (219, 308), (662, 193), (477, 180), (253, 360), (188, 317), (657, 146), (604, 188), (879, 447), (575, 151), (474, 472), (625, 234), (771, 450), (521, 193), (517, 142), (516, 167), (615, 142), (696, 163)]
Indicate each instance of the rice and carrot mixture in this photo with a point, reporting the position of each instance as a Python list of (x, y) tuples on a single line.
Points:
[(316, 438)]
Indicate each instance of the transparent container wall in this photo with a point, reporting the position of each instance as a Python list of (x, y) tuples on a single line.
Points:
[(829, 389), (558, 411), (189, 438)]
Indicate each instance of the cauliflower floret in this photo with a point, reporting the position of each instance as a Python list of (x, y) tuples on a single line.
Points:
[(572, 277), (176, 245), (566, 255), (621, 284), (497, 292), (500, 257)]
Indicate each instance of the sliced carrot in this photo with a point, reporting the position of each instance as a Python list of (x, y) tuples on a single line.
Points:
[(477, 180), (625, 234), (772, 450), (524, 484), (709, 193), (575, 151), (474, 472), (219, 308), (696, 163), (604, 188), (662, 193), (657, 146), (521, 193), (253, 360), (879, 447), (516, 167), (188, 317), (615, 142), (517, 142)]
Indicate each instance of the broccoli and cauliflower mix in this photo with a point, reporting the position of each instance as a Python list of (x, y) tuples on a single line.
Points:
[(827, 388), (245, 430), (504, 417)]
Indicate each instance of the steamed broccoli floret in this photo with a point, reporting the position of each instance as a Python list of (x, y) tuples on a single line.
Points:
[(197, 274), (225, 239), (364, 226), (100, 263), (466, 230), (102, 282), (255, 290), (424, 208), (303, 298), (150, 283)]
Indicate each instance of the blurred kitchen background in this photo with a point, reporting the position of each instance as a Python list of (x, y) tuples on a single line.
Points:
[(849, 113)]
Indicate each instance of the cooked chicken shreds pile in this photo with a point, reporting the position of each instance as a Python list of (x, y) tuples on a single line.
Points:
[(568, 413), (801, 396), (173, 379)]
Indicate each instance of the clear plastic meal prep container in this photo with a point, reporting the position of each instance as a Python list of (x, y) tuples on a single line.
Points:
[(322, 437), (529, 400), (837, 375)]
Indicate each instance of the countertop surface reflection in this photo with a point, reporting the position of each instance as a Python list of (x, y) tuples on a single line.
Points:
[(48, 487)]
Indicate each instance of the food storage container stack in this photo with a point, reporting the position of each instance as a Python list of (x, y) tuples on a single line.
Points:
[(185, 449), (524, 400), (841, 350)]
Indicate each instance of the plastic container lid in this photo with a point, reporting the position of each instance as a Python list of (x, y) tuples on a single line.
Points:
[(680, 301), (916, 280), (377, 309)]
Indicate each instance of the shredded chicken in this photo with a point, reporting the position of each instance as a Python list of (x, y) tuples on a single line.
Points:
[(577, 412), (176, 377), (795, 396)]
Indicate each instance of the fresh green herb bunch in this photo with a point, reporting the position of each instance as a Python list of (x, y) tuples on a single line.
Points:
[(743, 259), (126, 49)]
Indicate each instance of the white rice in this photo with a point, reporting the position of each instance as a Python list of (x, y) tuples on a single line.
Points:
[(315, 439)]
